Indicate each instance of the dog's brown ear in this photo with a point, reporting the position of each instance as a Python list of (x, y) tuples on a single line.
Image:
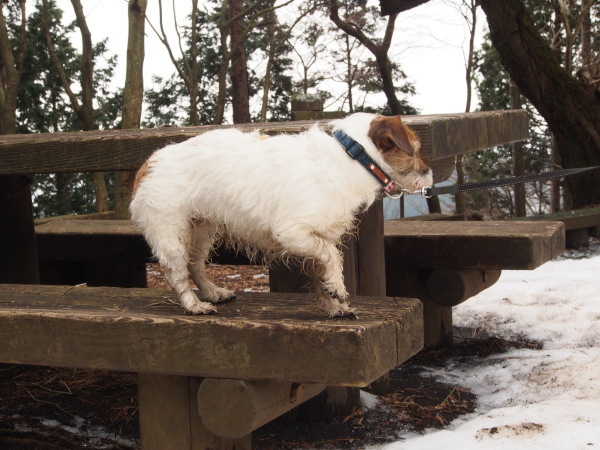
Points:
[(389, 133)]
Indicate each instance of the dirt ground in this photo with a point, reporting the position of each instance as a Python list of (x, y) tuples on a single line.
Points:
[(53, 408)]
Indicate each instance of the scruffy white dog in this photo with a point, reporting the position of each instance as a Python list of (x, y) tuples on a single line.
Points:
[(285, 196)]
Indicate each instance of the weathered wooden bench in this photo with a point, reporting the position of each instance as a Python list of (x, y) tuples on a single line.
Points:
[(580, 224), (207, 382), (444, 263)]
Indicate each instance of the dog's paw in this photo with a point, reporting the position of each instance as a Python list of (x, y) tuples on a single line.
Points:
[(339, 310), (200, 309), (219, 295), (229, 298), (344, 314)]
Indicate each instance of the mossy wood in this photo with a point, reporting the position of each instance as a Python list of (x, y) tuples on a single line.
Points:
[(279, 337), (442, 136)]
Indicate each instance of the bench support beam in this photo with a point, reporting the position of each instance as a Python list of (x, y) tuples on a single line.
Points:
[(169, 418), (233, 409)]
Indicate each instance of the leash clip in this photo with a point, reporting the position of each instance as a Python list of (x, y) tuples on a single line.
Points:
[(423, 192)]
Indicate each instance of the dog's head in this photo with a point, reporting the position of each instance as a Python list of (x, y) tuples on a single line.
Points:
[(400, 149)]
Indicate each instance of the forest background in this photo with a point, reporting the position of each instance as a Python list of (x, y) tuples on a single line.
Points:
[(239, 61)]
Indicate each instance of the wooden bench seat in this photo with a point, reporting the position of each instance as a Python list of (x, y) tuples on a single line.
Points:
[(444, 263), (257, 358), (472, 245), (141, 330), (580, 224)]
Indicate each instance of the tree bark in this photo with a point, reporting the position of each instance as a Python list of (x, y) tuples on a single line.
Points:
[(87, 98), (224, 65), (133, 96), (570, 107), (271, 32), (518, 156), (239, 70)]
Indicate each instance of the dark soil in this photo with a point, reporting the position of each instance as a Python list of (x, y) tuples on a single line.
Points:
[(53, 408)]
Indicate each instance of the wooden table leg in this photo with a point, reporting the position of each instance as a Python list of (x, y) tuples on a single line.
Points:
[(169, 418)]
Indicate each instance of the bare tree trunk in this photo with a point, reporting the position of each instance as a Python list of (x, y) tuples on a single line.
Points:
[(555, 182), (471, 18), (85, 109), (18, 250), (87, 97), (586, 37), (518, 156), (239, 69), (133, 96), (224, 65), (379, 49), (349, 73), (271, 31), (571, 108)]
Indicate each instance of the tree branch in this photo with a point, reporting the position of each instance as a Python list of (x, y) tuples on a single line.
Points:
[(58, 65)]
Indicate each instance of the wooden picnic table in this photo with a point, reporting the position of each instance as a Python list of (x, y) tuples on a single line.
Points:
[(443, 137)]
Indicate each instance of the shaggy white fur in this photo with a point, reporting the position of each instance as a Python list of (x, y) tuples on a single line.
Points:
[(286, 196)]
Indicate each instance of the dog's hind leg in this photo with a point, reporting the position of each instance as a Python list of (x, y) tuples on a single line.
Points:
[(203, 238), (171, 244)]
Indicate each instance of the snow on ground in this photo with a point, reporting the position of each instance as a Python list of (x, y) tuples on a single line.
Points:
[(548, 398)]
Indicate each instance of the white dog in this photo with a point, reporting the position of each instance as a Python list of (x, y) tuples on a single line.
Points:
[(284, 196)]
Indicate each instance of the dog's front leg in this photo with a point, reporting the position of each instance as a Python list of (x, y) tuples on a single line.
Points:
[(326, 270)]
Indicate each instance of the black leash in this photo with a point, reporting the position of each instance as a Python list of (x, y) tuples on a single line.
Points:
[(358, 153), (453, 189)]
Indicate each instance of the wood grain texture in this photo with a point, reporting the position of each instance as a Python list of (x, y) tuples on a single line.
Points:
[(430, 244), (573, 220), (233, 409), (442, 137), (437, 319), (472, 245), (280, 337), (169, 418)]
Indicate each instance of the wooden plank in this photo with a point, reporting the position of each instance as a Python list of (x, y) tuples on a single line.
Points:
[(280, 337), (573, 220), (442, 137), (91, 240), (431, 244), (435, 216), (472, 245), (448, 135)]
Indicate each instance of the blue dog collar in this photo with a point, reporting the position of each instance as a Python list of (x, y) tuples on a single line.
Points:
[(358, 153)]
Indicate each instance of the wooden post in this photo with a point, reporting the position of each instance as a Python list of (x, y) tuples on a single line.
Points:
[(169, 418), (412, 283), (18, 250)]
